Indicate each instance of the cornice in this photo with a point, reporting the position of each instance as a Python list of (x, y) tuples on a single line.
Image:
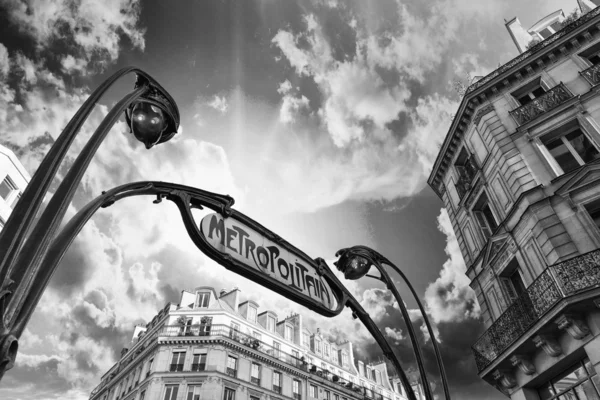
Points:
[(526, 64)]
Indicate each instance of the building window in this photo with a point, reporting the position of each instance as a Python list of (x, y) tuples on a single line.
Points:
[(142, 395), (378, 377), (344, 358), (171, 392), (7, 187), (203, 299), (205, 325), (277, 382), (317, 346), (578, 382), (252, 314), (326, 350), (593, 209), (512, 282), (571, 148), (361, 369), (177, 361), (592, 54), (232, 366), (255, 374), (289, 333), (305, 339), (199, 362), (336, 396), (271, 322), (297, 394), (229, 394), (314, 391), (484, 216), (327, 395), (334, 353), (193, 392), (529, 92), (254, 398)]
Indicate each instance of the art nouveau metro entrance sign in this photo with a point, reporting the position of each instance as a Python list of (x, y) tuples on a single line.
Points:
[(276, 263)]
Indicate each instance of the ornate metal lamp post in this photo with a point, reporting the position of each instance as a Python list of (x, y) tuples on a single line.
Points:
[(355, 262), (153, 118)]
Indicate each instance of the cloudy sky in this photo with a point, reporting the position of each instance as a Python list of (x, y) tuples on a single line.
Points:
[(321, 118)]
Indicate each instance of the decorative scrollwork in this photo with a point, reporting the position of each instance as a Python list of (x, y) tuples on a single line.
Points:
[(551, 99)]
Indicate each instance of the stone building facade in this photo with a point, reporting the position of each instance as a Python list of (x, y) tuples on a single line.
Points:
[(213, 347), (519, 174)]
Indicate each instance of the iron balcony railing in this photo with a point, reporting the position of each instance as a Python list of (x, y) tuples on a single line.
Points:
[(557, 282), (231, 333), (551, 99), (467, 173), (592, 74)]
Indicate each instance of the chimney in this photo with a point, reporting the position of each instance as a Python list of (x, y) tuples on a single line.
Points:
[(518, 34), (585, 6)]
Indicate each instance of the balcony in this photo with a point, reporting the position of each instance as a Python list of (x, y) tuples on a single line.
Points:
[(232, 372), (226, 332), (592, 74), (557, 282), (467, 173), (551, 99)]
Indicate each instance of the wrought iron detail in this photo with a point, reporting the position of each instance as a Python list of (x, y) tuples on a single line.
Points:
[(557, 282), (467, 173), (551, 99), (534, 49), (592, 74)]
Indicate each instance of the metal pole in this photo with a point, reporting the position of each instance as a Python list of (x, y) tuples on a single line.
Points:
[(364, 317), (22, 216), (21, 259), (411, 331), (27, 264), (436, 349)]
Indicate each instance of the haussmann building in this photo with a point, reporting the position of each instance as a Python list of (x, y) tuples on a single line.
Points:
[(519, 174), (211, 346)]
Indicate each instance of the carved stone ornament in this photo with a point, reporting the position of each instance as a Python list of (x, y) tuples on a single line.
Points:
[(524, 364), (506, 379), (481, 112), (576, 327), (548, 344)]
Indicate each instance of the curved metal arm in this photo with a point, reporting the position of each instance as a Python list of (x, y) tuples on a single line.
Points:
[(365, 318), (22, 216), (185, 198), (28, 262), (436, 349), (362, 258), (63, 240)]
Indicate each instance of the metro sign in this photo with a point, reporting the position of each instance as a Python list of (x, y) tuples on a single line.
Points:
[(278, 266)]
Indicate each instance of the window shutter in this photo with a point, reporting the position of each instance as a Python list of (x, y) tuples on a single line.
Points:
[(487, 232), (509, 290)]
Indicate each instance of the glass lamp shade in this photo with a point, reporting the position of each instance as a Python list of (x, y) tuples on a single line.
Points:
[(353, 266), (148, 122)]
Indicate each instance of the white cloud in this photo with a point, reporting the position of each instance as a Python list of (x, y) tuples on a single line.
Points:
[(71, 64), (450, 298), (219, 103), (394, 334), (4, 61), (93, 26)]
